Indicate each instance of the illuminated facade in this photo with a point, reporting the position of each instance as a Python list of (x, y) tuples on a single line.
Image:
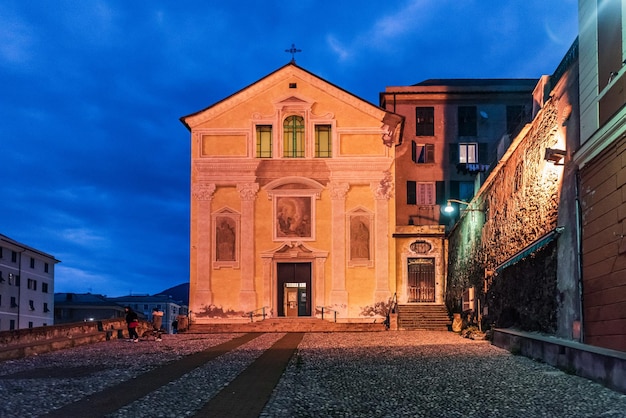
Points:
[(292, 201), (517, 244)]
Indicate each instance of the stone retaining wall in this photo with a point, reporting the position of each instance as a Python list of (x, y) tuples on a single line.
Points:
[(24, 342), (607, 367)]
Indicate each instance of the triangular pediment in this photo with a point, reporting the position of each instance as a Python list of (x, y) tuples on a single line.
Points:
[(292, 74), (292, 99), (294, 250)]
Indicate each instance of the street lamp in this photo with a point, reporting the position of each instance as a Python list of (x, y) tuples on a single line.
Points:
[(449, 208)]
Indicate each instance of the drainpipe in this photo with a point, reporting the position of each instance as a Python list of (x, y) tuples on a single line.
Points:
[(579, 245)]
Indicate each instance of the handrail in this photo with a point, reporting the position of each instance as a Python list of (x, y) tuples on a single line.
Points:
[(393, 303), (328, 309), (251, 313)]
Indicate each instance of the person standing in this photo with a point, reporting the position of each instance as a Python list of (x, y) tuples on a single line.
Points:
[(157, 322), (132, 321)]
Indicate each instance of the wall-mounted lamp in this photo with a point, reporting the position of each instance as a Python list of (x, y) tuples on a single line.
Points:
[(555, 156), (449, 208)]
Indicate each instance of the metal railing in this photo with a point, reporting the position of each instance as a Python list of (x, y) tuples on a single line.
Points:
[(251, 313), (323, 308), (421, 293)]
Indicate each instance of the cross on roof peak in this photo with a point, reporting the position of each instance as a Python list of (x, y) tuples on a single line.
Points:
[(293, 50)]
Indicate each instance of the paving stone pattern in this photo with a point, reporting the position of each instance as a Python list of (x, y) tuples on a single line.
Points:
[(379, 374)]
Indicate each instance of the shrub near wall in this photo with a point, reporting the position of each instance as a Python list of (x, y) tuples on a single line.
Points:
[(524, 295)]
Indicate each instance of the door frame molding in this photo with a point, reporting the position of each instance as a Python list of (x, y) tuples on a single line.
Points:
[(293, 252)]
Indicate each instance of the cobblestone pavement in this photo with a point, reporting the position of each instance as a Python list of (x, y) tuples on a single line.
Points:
[(383, 374)]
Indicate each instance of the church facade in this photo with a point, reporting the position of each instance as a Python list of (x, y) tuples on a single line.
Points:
[(292, 202)]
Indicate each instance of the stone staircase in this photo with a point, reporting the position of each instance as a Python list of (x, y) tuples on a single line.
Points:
[(423, 317), (287, 325)]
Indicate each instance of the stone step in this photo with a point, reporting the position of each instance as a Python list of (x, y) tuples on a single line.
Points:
[(423, 317)]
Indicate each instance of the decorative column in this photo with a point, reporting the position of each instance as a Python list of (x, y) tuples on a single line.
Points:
[(338, 293), (247, 296), (320, 279), (383, 191), (201, 293), (268, 286)]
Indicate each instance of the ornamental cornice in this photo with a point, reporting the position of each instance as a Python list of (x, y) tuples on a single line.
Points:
[(218, 163), (233, 167), (360, 171), (359, 164)]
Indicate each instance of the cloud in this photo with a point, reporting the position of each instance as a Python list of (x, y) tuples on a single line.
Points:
[(337, 48)]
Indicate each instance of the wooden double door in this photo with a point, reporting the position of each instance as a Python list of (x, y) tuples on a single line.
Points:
[(294, 289), (421, 274)]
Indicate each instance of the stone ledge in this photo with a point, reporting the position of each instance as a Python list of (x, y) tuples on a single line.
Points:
[(16, 351), (33, 341), (602, 365)]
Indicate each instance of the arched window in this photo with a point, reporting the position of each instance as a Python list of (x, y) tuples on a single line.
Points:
[(293, 137)]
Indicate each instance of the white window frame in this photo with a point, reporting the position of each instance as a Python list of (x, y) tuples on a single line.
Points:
[(468, 153)]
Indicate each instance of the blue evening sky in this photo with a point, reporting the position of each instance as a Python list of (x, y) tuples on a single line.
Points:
[(94, 166)]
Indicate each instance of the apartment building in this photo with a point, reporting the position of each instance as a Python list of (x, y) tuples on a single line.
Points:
[(26, 286), (455, 131)]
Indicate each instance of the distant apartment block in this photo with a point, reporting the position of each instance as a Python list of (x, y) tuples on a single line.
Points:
[(26, 286), (87, 307), (84, 307)]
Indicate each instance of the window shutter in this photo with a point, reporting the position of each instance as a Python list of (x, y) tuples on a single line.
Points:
[(411, 196), (454, 152), (483, 153), (430, 153), (454, 189), (441, 192), (414, 151)]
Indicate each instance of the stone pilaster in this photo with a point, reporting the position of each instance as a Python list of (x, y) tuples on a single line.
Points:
[(268, 285), (338, 293), (203, 293), (319, 282), (383, 192), (247, 297)]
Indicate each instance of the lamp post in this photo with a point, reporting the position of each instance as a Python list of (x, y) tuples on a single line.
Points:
[(449, 208)]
